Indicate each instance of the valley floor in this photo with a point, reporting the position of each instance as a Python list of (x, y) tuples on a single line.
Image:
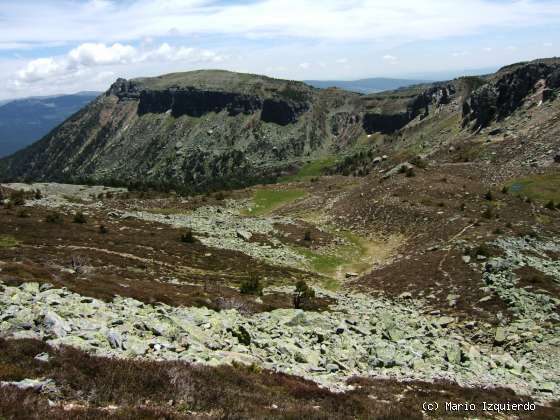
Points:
[(427, 289)]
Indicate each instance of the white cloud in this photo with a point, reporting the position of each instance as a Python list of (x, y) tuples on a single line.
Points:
[(304, 65), (91, 55), (390, 58), (40, 69), (511, 48), (342, 61), (460, 53), (547, 44), (488, 49), (365, 20)]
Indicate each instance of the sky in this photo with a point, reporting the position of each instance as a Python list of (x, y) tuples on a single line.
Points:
[(64, 46)]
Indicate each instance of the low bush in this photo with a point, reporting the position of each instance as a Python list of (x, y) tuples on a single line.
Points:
[(188, 237), (54, 217), (303, 295), (251, 286), (80, 218)]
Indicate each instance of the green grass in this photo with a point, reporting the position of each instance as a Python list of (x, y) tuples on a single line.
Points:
[(347, 257), (541, 188), (267, 200), (7, 241), (311, 169), (322, 263)]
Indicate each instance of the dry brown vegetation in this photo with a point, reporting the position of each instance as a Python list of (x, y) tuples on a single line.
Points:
[(98, 388), (134, 259)]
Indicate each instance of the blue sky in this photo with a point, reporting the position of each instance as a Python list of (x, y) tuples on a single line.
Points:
[(62, 46)]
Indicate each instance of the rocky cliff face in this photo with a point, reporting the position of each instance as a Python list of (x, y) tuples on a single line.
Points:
[(418, 105), (195, 102), (197, 129), (214, 129), (499, 99)]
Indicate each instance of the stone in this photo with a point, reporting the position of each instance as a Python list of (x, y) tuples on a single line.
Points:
[(332, 367), (453, 354), (42, 357), (500, 336), (351, 274), (243, 234), (34, 384), (547, 387), (406, 295), (466, 259), (445, 320), (115, 339), (56, 325)]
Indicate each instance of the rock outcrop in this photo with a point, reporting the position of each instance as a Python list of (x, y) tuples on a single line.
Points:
[(191, 131), (498, 99), (419, 105)]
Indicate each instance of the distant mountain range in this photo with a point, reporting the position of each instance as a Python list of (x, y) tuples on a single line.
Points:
[(371, 85), (23, 121)]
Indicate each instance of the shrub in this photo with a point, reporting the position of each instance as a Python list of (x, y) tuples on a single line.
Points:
[(242, 335), (410, 173), (483, 250), (505, 190), (251, 286), (303, 294), (419, 162), (550, 205), (54, 218), (38, 195), (488, 213), (103, 229), (80, 218), (462, 207), (488, 195), (188, 237), (307, 236), (18, 198), (220, 196), (23, 213)]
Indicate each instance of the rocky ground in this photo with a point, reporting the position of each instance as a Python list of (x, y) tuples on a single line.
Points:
[(362, 330)]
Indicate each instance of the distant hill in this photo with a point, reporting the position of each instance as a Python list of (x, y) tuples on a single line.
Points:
[(23, 121), (372, 85), (211, 129)]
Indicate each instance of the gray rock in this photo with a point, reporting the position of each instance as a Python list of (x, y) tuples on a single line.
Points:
[(500, 336), (243, 234), (56, 325), (35, 384), (42, 357), (332, 367), (115, 339)]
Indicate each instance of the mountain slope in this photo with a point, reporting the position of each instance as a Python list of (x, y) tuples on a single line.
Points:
[(24, 121), (214, 129), (369, 85), (194, 128)]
